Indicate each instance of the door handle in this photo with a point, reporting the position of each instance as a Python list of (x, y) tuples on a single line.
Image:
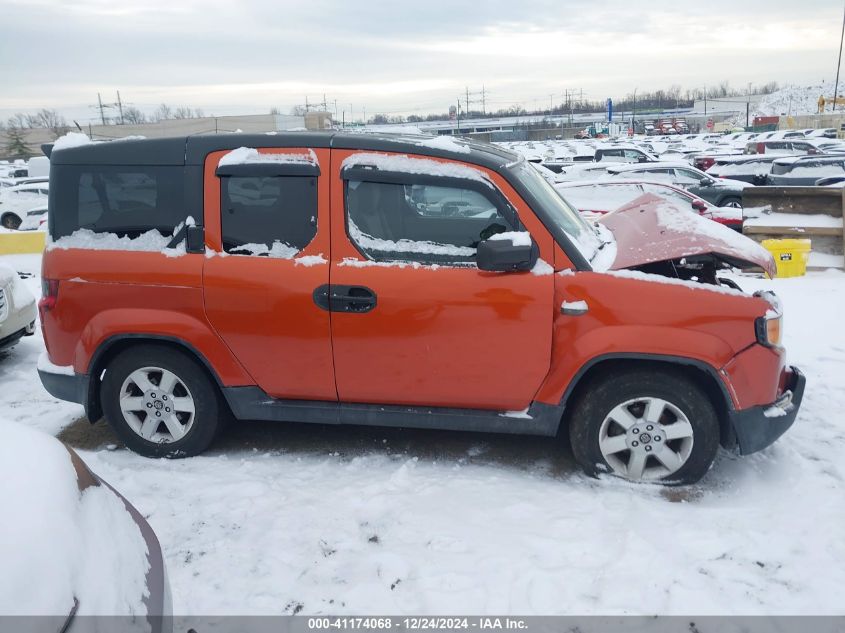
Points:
[(335, 298), (356, 299)]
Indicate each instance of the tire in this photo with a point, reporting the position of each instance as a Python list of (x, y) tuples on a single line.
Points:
[(732, 201), (10, 221), (148, 379), (688, 417)]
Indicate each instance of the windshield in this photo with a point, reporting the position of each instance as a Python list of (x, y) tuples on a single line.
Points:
[(582, 235)]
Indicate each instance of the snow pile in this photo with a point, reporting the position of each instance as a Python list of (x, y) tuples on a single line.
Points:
[(518, 238), (249, 155), (152, 241), (407, 164), (794, 220), (406, 246), (445, 142), (279, 250), (310, 260), (72, 139), (542, 268), (58, 543), (792, 101)]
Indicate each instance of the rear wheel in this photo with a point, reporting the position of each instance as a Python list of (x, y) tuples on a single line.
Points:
[(160, 402), (645, 426), (10, 221)]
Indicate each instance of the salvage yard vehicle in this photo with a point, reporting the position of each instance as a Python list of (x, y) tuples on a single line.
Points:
[(594, 199), (722, 192), (17, 308), (804, 171), (17, 200), (343, 294), (72, 546)]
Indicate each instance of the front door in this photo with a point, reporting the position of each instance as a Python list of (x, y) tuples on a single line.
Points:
[(422, 325), (267, 233)]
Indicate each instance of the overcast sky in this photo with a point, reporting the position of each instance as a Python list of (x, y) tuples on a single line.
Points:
[(390, 56)]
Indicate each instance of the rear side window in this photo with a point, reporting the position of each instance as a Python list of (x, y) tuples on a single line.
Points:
[(127, 201), (268, 216)]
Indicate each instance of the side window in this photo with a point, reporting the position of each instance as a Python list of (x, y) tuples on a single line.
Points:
[(419, 222), (687, 176), (124, 200), (630, 153), (268, 216)]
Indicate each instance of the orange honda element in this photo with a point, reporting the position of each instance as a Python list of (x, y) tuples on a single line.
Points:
[(404, 281)]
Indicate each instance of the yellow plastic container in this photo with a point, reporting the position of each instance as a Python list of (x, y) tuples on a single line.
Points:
[(790, 255), (22, 242)]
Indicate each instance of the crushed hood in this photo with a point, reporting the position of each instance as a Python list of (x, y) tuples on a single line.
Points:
[(651, 229)]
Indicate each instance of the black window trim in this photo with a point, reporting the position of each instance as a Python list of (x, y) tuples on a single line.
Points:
[(385, 177), (269, 169)]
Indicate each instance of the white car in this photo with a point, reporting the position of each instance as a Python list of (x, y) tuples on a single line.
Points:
[(35, 219), (16, 201), (17, 308)]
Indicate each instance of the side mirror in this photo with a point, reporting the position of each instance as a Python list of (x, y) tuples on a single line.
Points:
[(194, 239), (705, 182), (699, 205), (642, 159), (503, 255)]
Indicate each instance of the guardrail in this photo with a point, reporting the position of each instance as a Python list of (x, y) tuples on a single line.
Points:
[(21, 242), (828, 237)]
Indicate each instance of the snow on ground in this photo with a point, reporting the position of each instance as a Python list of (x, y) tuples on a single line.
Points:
[(281, 518)]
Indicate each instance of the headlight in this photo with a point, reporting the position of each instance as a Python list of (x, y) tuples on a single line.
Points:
[(769, 328)]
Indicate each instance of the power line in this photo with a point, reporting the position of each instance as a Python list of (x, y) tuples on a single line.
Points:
[(838, 64)]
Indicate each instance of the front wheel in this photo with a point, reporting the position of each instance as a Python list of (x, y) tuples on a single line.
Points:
[(732, 202), (650, 426), (160, 402)]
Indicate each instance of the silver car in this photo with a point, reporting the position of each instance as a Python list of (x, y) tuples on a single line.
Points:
[(17, 308)]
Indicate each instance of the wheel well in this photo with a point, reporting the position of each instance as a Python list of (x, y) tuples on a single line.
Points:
[(9, 213), (112, 347), (709, 383)]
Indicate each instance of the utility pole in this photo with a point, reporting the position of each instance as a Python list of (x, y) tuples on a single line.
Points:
[(483, 99), (838, 64), (365, 115), (467, 101), (458, 115), (102, 114), (120, 107)]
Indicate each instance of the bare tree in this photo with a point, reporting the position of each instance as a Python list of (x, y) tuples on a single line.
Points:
[(133, 115), (162, 113), (298, 110), (49, 119), (275, 111)]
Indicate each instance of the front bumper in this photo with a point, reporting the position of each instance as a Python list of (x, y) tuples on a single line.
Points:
[(758, 427)]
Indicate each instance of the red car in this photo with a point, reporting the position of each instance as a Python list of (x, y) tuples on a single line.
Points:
[(600, 197)]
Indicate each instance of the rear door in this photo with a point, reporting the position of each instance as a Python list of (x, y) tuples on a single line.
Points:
[(267, 233), (421, 324)]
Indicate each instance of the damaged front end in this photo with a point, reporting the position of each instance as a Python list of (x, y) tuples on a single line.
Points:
[(656, 236)]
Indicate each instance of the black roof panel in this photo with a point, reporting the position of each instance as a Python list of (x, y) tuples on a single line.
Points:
[(192, 150), (130, 151)]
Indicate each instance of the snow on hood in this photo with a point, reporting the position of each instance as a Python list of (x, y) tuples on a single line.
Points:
[(651, 229), (59, 543)]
